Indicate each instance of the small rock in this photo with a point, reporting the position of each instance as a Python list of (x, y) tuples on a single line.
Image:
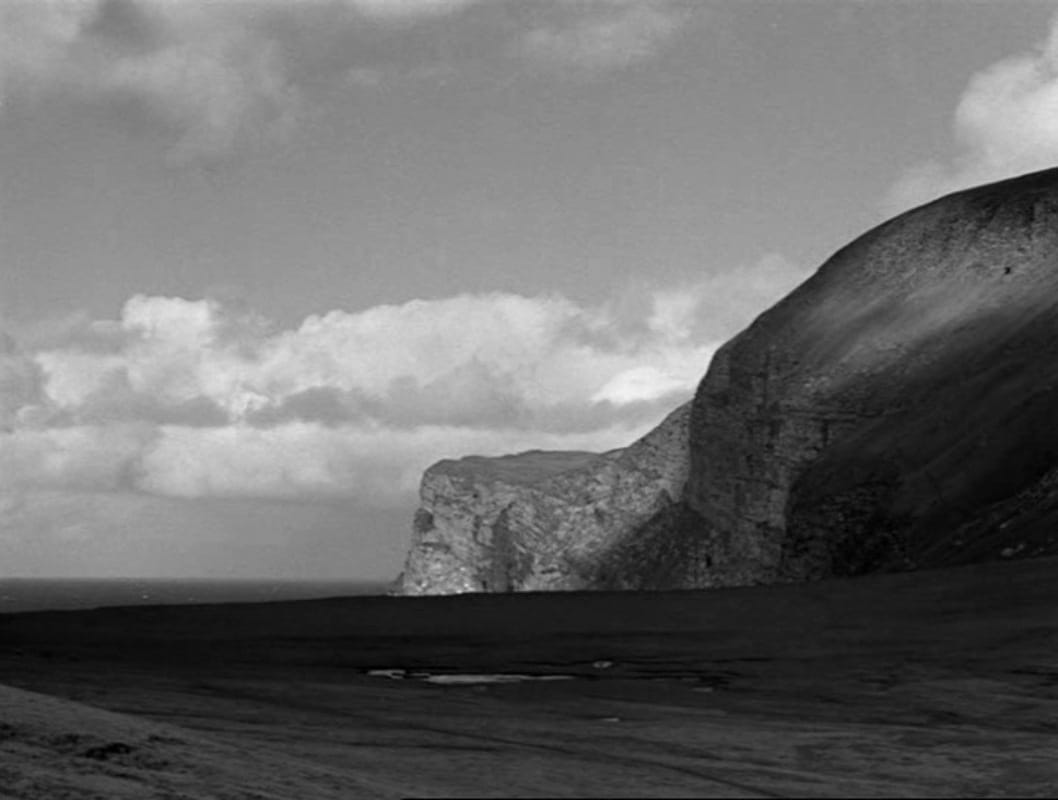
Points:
[(602, 664)]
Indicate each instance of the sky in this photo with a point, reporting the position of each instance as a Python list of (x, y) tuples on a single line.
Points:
[(263, 262)]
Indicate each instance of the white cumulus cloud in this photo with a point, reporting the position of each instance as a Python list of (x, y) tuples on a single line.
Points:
[(1006, 123), (188, 398)]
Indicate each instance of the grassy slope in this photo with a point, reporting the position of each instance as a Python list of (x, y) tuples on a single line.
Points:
[(526, 468), (939, 683)]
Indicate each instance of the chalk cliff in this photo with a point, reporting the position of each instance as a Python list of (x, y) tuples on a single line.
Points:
[(896, 411)]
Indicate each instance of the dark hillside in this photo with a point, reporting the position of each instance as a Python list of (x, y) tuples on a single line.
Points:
[(898, 409)]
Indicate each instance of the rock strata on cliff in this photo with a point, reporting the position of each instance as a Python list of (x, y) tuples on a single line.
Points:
[(551, 521)]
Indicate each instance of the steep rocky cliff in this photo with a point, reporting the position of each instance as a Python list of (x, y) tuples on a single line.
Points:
[(896, 411), (548, 521)]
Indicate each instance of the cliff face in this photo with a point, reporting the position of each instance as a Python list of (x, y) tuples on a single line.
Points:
[(550, 521), (896, 411)]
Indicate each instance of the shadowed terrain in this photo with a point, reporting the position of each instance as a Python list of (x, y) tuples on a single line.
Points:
[(942, 683)]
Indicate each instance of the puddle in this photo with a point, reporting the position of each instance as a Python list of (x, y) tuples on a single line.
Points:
[(500, 678), (463, 679), (392, 674)]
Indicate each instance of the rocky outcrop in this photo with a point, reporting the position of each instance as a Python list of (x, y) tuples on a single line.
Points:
[(896, 411), (551, 521)]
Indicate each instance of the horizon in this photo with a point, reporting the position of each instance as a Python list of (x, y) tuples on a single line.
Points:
[(264, 263), (21, 595)]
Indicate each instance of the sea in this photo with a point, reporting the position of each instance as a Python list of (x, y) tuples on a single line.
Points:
[(44, 594)]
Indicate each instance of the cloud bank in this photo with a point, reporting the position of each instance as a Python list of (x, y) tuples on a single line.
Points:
[(193, 399), (219, 74), (1005, 124)]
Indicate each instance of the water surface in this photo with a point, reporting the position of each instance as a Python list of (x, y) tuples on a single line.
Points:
[(41, 594)]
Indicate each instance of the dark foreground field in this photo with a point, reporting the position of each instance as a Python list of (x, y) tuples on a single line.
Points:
[(935, 683)]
